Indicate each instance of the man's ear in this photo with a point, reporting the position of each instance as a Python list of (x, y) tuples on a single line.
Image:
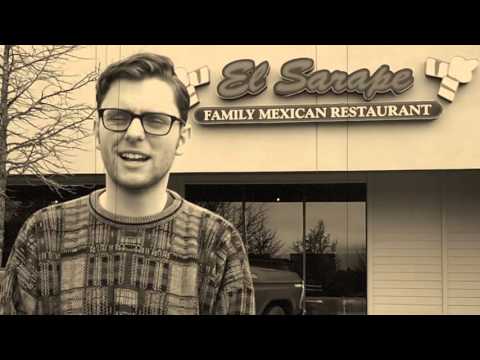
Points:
[(185, 135)]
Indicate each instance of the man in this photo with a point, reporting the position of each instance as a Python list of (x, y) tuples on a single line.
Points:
[(134, 247)]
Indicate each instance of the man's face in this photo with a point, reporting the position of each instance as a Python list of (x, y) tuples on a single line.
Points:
[(157, 152)]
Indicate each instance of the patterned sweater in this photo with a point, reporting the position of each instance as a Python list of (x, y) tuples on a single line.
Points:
[(78, 258)]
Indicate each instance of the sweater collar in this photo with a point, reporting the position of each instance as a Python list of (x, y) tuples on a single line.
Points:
[(174, 202)]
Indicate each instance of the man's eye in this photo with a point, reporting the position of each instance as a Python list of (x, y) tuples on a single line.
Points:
[(157, 118), (117, 116)]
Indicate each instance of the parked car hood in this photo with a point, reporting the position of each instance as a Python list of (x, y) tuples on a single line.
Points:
[(261, 274)]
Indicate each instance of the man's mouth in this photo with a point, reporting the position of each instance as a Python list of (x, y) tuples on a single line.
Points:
[(133, 156)]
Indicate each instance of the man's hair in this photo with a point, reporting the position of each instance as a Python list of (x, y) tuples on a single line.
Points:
[(143, 66)]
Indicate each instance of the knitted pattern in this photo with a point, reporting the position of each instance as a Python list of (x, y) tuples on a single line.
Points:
[(77, 258)]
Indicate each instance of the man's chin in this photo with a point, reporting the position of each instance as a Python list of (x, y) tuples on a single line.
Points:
[(136, 185)]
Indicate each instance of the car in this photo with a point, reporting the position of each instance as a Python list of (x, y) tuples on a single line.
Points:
[(277, 292)]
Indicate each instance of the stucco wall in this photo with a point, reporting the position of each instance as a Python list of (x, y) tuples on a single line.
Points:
[(448, 142)]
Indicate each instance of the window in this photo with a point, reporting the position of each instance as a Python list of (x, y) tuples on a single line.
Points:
[(274, 219)]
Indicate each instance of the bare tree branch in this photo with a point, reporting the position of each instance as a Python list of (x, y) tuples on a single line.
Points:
[(28, 84), (41, 120), (259, 239), (45, 54)]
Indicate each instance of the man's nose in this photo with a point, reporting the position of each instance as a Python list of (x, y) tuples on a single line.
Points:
[(135, 131)]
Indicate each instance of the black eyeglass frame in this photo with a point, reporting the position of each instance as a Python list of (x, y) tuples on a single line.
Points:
[(140, 117)]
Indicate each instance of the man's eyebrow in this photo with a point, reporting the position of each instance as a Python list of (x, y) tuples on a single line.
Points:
[(130, 107)]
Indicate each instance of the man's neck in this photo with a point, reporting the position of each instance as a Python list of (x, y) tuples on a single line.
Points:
[(124, 202)]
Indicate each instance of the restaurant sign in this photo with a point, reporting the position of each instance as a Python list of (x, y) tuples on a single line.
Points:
[(421, 110), (243, 78)]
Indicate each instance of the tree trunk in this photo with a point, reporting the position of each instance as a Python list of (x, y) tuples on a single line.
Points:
[(3, 143)]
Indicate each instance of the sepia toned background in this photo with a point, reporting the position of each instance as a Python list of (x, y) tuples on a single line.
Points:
[(416, 221)]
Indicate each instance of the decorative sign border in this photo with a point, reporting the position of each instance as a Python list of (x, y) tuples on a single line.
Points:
[(329, 113)]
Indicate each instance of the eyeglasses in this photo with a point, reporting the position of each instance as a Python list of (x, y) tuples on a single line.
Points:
[(119, 120)]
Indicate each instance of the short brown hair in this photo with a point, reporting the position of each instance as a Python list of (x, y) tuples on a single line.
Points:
[(142, 66)]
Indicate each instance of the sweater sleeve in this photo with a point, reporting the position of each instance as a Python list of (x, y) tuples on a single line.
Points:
[(18, 288), (236, 293)]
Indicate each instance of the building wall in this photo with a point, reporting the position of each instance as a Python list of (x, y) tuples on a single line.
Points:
[(423, 243), (449, 142), (423, 235), (462, 229)]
